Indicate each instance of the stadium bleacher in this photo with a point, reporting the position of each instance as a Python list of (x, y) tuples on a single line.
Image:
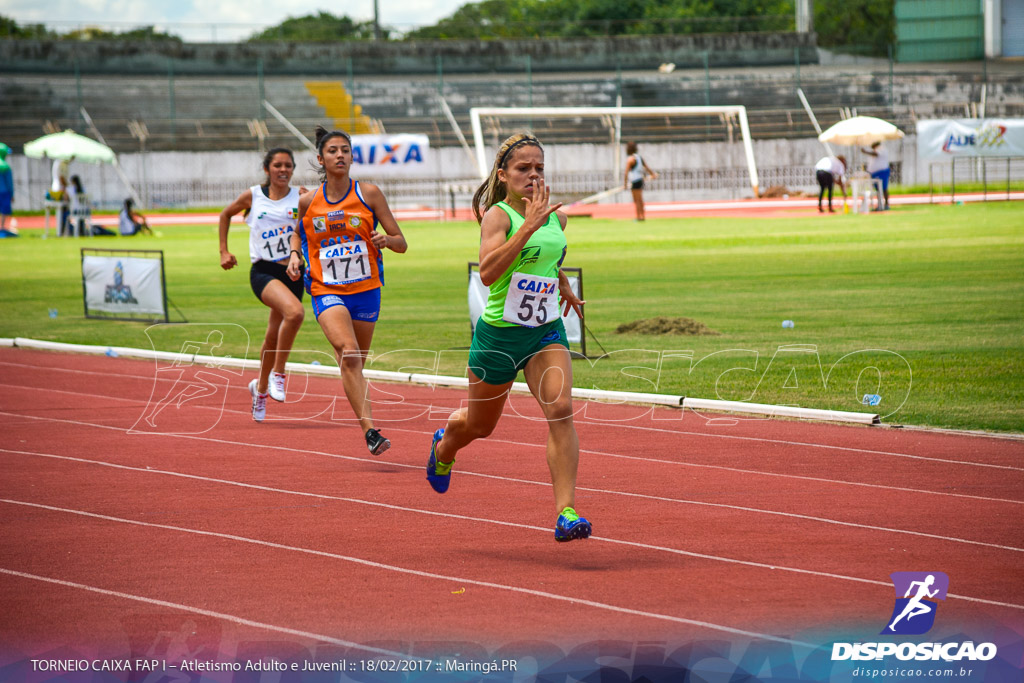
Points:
[(205, 113)]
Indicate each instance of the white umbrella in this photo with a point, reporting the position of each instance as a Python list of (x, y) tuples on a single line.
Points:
[(68, 144), (860, 130)]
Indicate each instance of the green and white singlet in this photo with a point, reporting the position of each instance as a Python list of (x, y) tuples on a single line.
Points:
[(527, 293)]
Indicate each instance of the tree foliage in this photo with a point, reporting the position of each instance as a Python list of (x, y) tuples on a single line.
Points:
[(866, 24), (10, 29), (321, 28), (563, 18), (143, 34)]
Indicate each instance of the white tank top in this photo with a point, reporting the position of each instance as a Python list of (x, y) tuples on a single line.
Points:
[(271, 224), (637, 172)]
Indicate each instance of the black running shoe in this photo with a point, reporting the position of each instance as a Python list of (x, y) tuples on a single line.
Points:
[(376, 442)]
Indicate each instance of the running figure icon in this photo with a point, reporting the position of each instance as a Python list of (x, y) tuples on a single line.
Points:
[(915, 607), (917, 595)]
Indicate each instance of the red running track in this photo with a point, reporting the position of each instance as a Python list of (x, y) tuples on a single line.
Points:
[(201, 526)]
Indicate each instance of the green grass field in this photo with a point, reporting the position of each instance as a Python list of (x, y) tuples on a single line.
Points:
[(928, 300)]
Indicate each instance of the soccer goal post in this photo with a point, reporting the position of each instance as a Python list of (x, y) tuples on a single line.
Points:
[(613, 116)]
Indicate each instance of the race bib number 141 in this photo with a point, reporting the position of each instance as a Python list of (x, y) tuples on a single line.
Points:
[(532, 300)]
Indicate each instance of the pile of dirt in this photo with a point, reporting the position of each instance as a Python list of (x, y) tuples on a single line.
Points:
[(663, 325), (780, 191)]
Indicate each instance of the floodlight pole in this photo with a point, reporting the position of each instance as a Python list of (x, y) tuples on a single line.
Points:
[(814, 120), (288, 124), (117, 166), (618, 137)]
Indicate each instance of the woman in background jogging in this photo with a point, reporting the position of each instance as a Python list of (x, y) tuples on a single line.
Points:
[(271, 211), (522, 246), (338, 238)]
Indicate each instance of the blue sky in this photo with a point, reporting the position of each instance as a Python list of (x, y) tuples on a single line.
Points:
[(235, 18)]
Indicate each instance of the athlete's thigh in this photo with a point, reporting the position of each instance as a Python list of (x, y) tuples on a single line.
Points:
[(549, 376), (337, 326), (277, 296), (486, 401), (364, 334)]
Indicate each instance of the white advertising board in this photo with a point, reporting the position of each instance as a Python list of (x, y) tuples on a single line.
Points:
[(124, 284), (392, 155), (945, 139)]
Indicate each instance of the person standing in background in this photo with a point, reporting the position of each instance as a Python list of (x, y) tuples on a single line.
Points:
[(878, 167), (636, 170), (59, 192), (6, 187)]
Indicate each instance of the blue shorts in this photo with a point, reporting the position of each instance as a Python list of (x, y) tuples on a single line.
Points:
[(5, 203), (884, 177), (364, 306)]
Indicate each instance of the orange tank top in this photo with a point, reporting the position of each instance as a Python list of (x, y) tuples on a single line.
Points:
[(336, 244)]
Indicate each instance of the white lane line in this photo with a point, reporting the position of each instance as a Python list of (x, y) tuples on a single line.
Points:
[(538, 483), (599, 539), (841, 482), (241, 621), (618, 425), (429, 575), (785, 442), (643, 496), (525, 444)]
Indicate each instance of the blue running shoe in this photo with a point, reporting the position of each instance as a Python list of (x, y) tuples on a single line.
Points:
[(438, 474), (571, 526)]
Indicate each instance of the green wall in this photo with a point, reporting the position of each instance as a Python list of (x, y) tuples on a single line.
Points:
[(939, 30)]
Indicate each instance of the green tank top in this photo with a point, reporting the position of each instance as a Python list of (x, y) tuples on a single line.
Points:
[(534, 300)]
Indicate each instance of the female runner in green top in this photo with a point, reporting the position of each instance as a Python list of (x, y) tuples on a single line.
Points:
[(522, 246)]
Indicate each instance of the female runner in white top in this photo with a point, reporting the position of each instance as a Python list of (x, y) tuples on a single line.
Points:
[(272, 213)]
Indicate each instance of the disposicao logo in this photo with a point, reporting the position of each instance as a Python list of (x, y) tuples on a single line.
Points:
[(916, 601), (917, 595)]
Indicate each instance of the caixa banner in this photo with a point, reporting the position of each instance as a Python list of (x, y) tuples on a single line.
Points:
[(944, 139), (392, 154)]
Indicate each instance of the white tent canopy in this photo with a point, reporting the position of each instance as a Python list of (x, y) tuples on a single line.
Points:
[(69, 145), (860, 130)]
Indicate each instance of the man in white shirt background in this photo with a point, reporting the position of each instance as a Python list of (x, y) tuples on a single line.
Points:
[(878, 167), (829, 171)]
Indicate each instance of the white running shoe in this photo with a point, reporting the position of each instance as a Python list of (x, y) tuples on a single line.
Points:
[(259, 402), (276, 387)]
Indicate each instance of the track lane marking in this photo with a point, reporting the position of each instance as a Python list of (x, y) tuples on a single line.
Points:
[(419, 573), (513, 414), (636, 544)]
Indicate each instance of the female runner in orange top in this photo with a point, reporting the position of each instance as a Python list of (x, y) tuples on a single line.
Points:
[(337, 237)]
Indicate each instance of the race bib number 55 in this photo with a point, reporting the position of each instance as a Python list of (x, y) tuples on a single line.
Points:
[(532, 300), (342, 264)]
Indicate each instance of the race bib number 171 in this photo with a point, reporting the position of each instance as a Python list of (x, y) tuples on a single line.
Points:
[(344, 263), (532, 300)]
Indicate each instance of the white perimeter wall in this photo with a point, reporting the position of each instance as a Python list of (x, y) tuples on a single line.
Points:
[(215, 178)]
